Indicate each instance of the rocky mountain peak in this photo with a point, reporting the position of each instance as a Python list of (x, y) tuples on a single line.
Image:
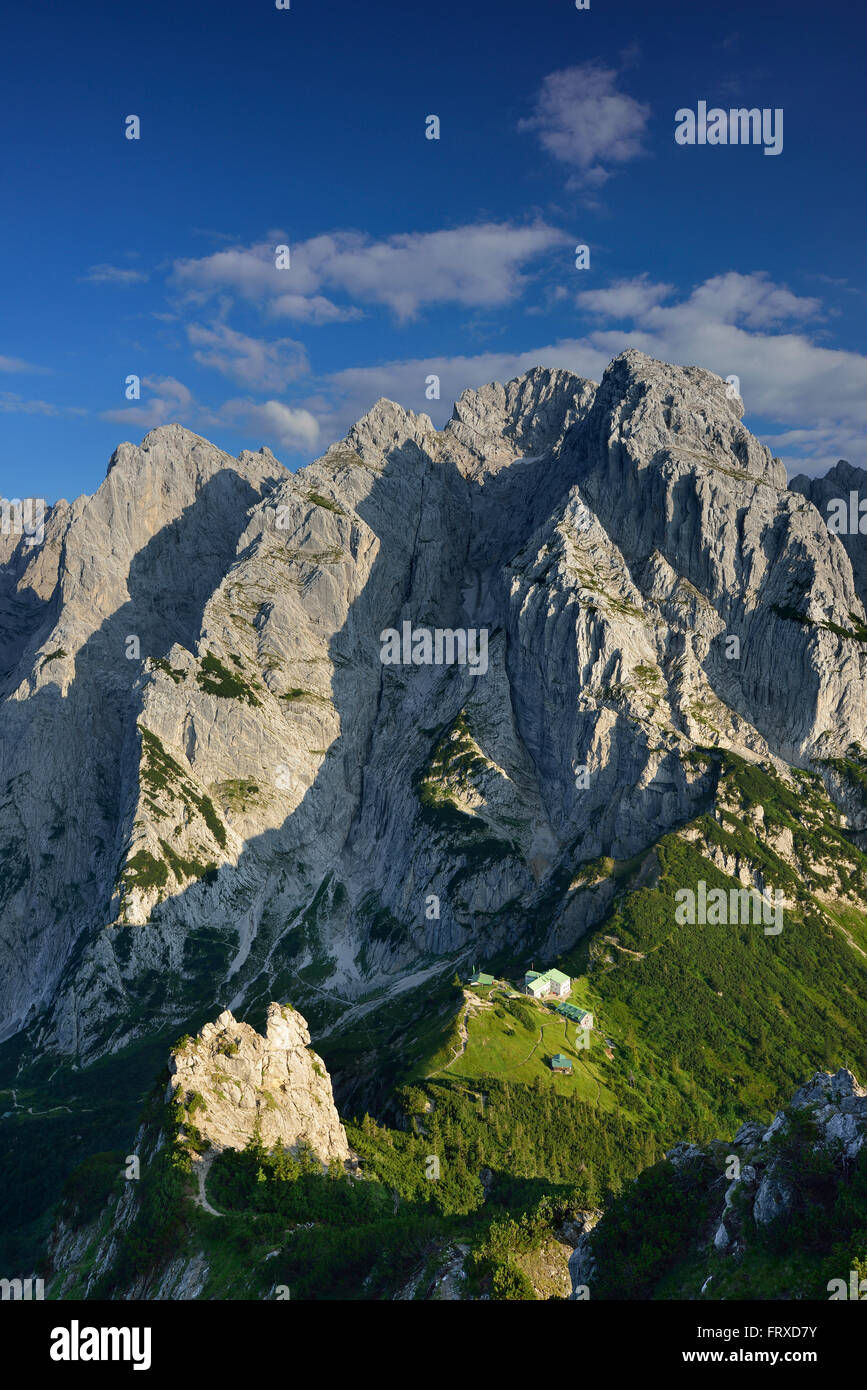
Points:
[(846, 474), (386, 428), (528, 416), (836, 482), (839, 1089), (177, 460), (831, 495), (677, 414)]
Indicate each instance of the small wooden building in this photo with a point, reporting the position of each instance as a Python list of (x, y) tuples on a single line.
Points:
[(561, 1063)]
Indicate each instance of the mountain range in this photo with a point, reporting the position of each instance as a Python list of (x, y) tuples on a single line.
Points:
[(215, 792)]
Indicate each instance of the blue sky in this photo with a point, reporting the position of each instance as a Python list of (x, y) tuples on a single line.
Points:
[(412, 256)]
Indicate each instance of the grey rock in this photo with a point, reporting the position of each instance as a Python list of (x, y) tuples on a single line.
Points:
[(840, 1089), (773, 1199), (749, 1134), (582, 1266), (722, 1239), (683, 1153), (778, 1125)]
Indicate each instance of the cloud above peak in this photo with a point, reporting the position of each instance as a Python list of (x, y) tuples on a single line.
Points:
[(252, 362), (479, 266), (289, 427), (166, 400)]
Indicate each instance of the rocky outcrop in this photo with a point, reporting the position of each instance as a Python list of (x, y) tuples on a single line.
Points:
[(236, 1083), (582, 1262), (765, 1189), (838, 1106)]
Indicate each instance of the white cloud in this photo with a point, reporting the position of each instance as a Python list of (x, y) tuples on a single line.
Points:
[(113, 275), (625, 298), (751, 300), (476, 266), (11, 404), (314, 308), (16, 364), (582, 120), (814, 451), (171, 401), (289, 428), (252, 362)]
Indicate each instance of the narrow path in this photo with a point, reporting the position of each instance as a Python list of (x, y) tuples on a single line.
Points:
[(202, 1169), (530, 1053), (852, 942), (463, 1033), (578, 1050), (637, 955), (598, 1087), (40, 1114)]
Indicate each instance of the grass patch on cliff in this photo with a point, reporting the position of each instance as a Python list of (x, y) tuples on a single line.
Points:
[(216, 679), (160, 664), (145, 872), (52, 656), (296, 694), (184, 869), (319, 500), (237, 793), (160, 773)]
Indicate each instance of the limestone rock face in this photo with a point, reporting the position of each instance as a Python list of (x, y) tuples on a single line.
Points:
[(582, 1267), (138, 560), (210, 781), (245, 1080)]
